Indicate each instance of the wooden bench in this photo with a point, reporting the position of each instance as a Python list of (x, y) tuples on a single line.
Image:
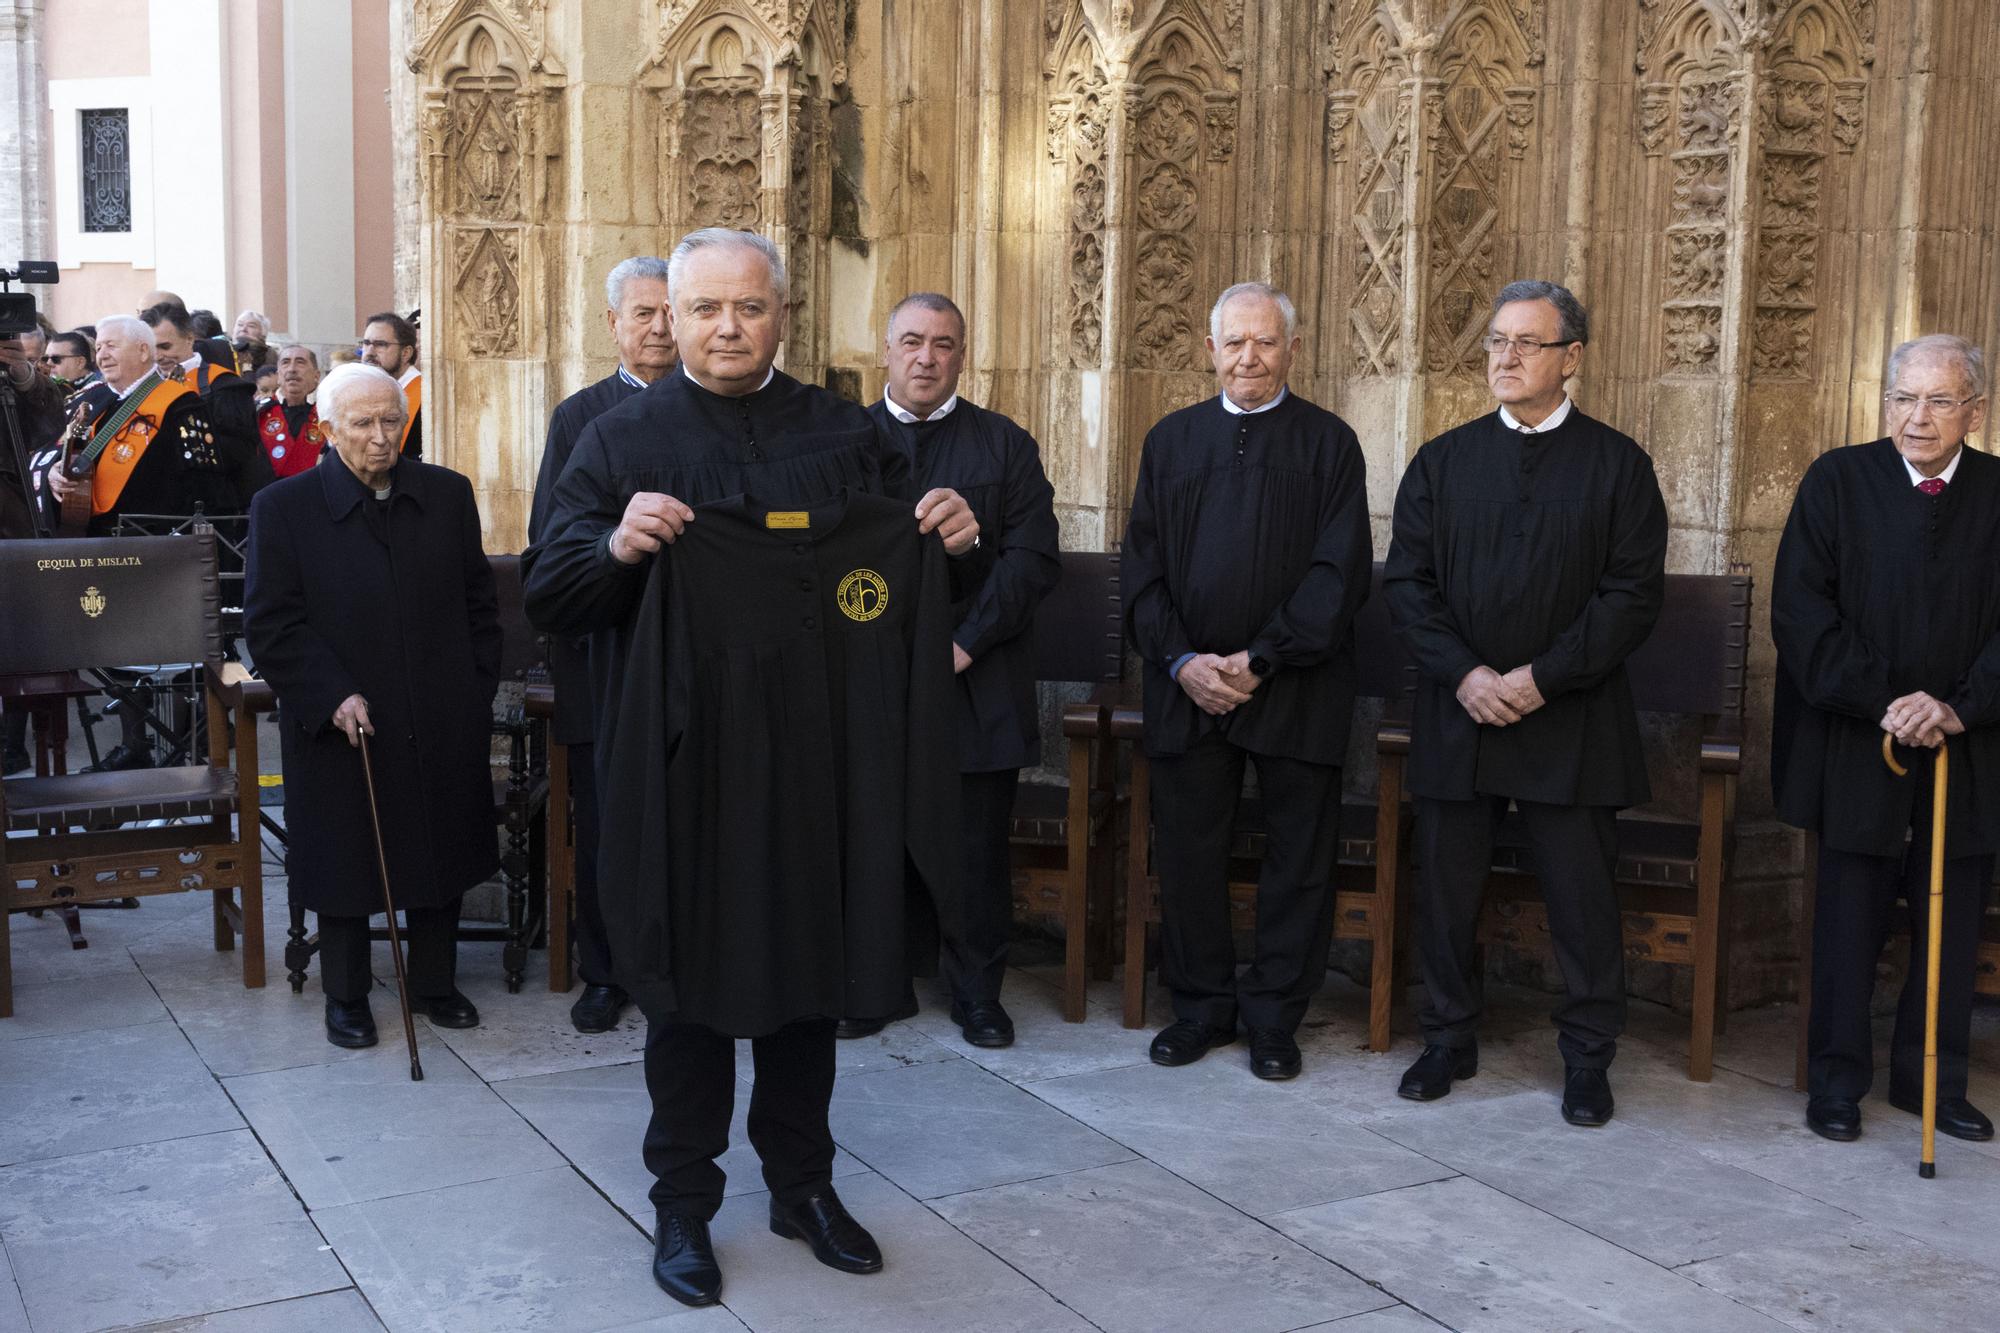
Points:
[(1369, 869), (90, 837)]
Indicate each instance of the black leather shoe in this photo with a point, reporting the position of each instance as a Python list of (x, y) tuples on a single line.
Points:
[(1185, 1041), (1273, 1054), (684, 1260), (121, 758), (837, 1240), (849, 1028), (1834, 1118), (1431, 1076), (1586, 1096), (1955, 1116), (597, 1009), (983, 1023), (349, 1023), (448, 1011)]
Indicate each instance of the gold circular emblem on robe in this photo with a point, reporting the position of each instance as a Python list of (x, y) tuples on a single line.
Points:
[(862, 595), (122, 452)]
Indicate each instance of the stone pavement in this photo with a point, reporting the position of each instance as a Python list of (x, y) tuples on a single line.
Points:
[(178, 1152)]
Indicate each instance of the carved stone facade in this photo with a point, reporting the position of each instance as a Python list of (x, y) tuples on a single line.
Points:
[(1757, 198)]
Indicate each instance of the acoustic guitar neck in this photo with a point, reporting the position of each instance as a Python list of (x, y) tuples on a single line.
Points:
[(78, 504)]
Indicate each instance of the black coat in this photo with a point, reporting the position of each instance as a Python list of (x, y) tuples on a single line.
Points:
[(997, 467), (40, 408), (1250, 532), (1547, 550), (569, 662), (392, 600), (1880, 591), (780, 836), (184, 464), (229, 401)]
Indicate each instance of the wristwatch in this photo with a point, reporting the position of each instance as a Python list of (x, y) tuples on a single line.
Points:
[(1260, 667)]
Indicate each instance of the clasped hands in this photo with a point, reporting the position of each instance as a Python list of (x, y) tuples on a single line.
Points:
[(1920, 720), (1494, 700), (653, 520), (1217, 684)]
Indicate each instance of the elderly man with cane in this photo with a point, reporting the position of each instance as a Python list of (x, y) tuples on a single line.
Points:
[(370, 610), (1886, 615)]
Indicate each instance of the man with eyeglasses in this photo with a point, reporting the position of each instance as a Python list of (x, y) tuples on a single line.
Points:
[(390, 341), (1886, 615), (1527, 561), (68, 361)]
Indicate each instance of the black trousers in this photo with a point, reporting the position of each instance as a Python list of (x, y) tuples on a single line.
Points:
[(1195, 795), (1575, 855), (430, 936), (976, 946), (691, 1076), (593, 948), (1854, 905)]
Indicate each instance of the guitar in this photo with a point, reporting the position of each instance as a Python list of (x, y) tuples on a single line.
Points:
[(81, 470)]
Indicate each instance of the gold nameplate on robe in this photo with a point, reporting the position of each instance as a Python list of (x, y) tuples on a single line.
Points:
[(794, 519)]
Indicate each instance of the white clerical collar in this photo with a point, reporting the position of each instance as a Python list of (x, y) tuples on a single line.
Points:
[(403, 380), (1236, 411), (1917, 478), (1554, 419), (907, 417), (769, 375), (192, 364)]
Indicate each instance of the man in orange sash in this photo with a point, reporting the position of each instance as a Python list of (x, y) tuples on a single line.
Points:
[(288, 426), (390, 341), (228, 400)]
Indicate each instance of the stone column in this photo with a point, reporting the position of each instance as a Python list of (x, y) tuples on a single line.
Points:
[(27, 228)]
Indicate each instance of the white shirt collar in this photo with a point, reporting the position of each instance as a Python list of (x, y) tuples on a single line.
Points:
[(907, 417), (192, 364), (403, 380), (769, 375), (1236, 411), (126, 392), (1917, 478), (629, 377), (1554, 419)]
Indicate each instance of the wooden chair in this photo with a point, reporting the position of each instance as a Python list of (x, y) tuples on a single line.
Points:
[(1369, 869), (1064, 837), (88, 837)]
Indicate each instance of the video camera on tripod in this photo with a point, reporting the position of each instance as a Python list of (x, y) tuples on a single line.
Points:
[(17, 316)]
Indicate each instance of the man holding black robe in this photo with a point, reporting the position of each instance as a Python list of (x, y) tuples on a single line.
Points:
[(997, 467), (1886, 612), (1527, 562), (728, 425), (1246, 558), (636, 310)]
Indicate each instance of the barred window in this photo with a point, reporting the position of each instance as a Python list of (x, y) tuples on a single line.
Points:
[(107, 169)]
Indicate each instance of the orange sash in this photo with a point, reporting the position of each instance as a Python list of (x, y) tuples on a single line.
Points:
[(413, 397), (128, 446)]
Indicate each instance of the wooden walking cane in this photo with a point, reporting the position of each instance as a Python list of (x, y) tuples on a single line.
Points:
[(389, 903), (1927, 1163)]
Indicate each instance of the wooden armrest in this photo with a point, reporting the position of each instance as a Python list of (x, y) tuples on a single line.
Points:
[(539, 699), (1722, 746), (1085, 720), (1392, 737), (1127, 723)]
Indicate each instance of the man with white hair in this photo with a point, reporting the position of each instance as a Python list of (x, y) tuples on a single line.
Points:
[(370, 608), (1884, 611), (251, 341), (1246, 558), (727, 425), (635, 299)]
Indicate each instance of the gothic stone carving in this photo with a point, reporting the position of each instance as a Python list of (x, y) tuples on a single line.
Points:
[(1705, 124)]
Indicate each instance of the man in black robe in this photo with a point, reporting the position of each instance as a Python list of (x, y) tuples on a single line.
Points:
[(727, 424), (1246, 558), (1527, 561), (228, 400), (997, 467), (1886, 612), (635, 293)]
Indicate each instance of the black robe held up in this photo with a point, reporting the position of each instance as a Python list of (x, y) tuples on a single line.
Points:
[(1547, 550), (1880, 591), (997, 467), (392, 600), (1250, 532), (779, 837)]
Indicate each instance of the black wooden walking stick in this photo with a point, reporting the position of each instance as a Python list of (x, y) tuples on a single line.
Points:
[(389, 904), (1927, 1163)]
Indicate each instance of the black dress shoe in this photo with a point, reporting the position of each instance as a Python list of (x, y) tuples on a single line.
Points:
[(1834, 1118), (983, 1023), (837, 1240), (121, 758), (849, 1028), (1955, 1116), (1586, 1096), (448, 1011), (349, 1023), (1431, 1076), (684, 1260), (1273, 1054), (597, 1009), (1185, 1041)]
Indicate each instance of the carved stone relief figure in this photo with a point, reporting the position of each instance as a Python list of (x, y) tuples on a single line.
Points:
[(487, 291), (1705, 124), (1079, 118)]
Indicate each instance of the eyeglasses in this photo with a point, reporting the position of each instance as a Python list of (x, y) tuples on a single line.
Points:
[(1496, 345), (1939, 406), (375, 345)]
